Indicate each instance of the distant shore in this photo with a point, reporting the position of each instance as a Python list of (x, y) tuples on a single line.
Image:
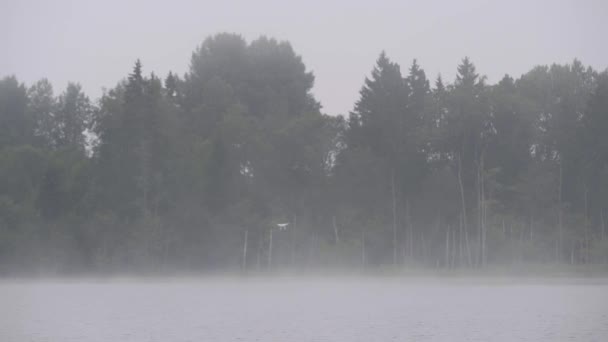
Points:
[(524, 272)]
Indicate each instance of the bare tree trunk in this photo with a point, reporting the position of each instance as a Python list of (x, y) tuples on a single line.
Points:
[(311, 250), (460, 242), (532, 227), (244, 266), (464, 210), (572, 255), (165, 247), (603, 234), (447, 246), (423, 242), (394, 198), (293, 239), (270, 249), (512, 239), (485, 223), (482, 213), (258, 263), (586, 244), (363, 256), (457, 259), (558, 245), (336, 235), (521, 239), (410, 229), (585, 247), (104, 251), (479, 256)]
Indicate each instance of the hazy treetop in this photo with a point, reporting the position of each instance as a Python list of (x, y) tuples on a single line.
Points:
[(96, 42)]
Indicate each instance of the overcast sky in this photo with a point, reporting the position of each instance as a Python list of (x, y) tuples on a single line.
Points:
[(96, 42)]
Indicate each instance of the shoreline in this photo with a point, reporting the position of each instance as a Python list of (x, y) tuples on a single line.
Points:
[(529, 273)]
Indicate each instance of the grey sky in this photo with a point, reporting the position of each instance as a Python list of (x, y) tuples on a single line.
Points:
[(96, 42)]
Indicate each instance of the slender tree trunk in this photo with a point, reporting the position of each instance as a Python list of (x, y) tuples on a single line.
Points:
[(394, 198), (558, 245), (460, 243), (457, 259), (532, 227), (521, 238), (485, 218), (572, 255), (270, 249), (603, 233), (258, 262), (104, 251), (479, 256), (464, 210), (363, 256), (311, 250), (336, 235), (585, 247), (447, 246), (482, 213), (293, 239), (410, 229), (244, 266), (423, 243)]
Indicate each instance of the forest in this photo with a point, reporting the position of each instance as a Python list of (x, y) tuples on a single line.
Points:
[(235, 166)]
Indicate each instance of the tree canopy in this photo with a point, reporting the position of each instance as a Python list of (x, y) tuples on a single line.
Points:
[(193, 172)]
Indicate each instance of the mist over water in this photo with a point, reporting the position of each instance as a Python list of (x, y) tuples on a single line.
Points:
[(320, 171), (305, 309)]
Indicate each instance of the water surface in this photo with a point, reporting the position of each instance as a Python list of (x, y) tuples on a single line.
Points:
[(300, 310)]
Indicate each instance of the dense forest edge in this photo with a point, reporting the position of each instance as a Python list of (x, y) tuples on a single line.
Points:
[(234, 166)]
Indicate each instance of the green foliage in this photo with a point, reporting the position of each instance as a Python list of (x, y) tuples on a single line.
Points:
[(194, 172)]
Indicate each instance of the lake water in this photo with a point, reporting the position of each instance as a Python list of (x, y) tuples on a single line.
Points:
[(284, 310)]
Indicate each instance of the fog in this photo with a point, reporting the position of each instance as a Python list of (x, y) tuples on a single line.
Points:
[(319, 171), (96, 42), (297, 309)]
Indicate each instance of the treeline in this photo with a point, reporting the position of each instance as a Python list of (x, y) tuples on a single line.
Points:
[(202, 171)]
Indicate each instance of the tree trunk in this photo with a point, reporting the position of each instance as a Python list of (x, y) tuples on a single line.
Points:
[(558, 245), (479, 256), (394, 198), (363, 256), (482, 213), (410, 229), (586, 243), (457, 259), (311, 250), (244, 266), (603, 234), (532, 227), (270, 249), (336, 235), (293, 240), (485, 222), (447, 246), (464, 210), (571, 255), (460, 255), (423, 243), (258, 262)]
